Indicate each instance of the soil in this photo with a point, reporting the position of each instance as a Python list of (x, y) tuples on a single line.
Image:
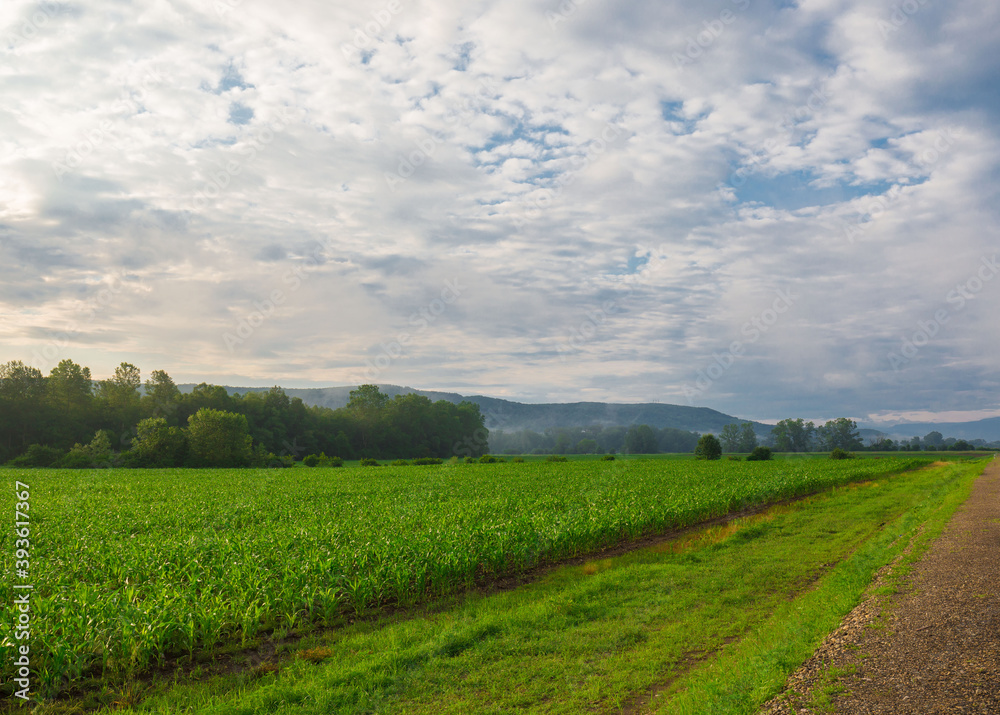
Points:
[(933, 645)]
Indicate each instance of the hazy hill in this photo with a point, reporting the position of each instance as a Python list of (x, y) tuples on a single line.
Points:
[(988, 429), (514, 416)]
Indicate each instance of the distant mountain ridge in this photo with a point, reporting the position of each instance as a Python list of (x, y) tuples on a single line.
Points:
[(512, 416), (988, 429)]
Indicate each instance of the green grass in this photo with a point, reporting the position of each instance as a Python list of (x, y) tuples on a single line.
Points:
[(712, 622), (134, 569)]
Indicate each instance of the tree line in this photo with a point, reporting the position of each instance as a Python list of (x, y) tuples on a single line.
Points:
[(788, 435), (67, 418), (797, 435)]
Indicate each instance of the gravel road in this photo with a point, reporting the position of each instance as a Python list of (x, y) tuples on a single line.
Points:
[(938, 647)]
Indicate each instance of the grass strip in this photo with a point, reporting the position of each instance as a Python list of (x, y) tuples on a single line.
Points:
[(751, 672)]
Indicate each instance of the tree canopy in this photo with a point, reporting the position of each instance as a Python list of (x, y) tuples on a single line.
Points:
[(157, 425)]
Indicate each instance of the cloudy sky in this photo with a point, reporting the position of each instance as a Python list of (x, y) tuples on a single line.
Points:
[(768, 207)]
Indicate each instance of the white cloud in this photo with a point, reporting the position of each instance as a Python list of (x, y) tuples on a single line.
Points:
[(376, 150)]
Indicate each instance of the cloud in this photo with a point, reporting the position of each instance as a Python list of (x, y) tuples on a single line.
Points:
[(680, 161)]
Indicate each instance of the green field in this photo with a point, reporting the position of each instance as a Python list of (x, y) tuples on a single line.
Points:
[(134, 571)]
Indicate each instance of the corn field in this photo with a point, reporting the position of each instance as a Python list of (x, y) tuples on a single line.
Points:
[(132, 568)]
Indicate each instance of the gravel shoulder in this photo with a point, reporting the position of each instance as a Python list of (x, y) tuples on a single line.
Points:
[(933, 646)]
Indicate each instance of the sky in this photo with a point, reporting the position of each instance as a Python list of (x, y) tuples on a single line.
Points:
[(771, 208)]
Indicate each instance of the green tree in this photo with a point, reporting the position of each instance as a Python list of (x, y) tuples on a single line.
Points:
[(100, 448), (97, 454), (882, 444), (587, 446), (934, 439), (640, 439), (270, 417), (760, 454), (367, 399), (730, 438), (367, 404), (159, 445), (119, 397), (676, 440), (215, 397), (748, 438), (793, 435), (162, 397), (563, 443), (708, 447), (342, 446), (69, 397), (470, 435), (842, 433), (22, 392), (219, 439)]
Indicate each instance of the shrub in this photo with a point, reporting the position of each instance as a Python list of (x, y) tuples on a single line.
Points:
[(96, 455), (400, 463), (426, 461), (219, 439), (734, 458), (369, 462), (324, 461), (760, 454), (839, 453), (518, 460), (157, 445), (490, 459), (708, 447), (556, 458), (608, 458), (38, 455), (469, 460), (76, 459), (311, 460)]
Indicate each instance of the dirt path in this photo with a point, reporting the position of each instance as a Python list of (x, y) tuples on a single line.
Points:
[(939, 648)]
